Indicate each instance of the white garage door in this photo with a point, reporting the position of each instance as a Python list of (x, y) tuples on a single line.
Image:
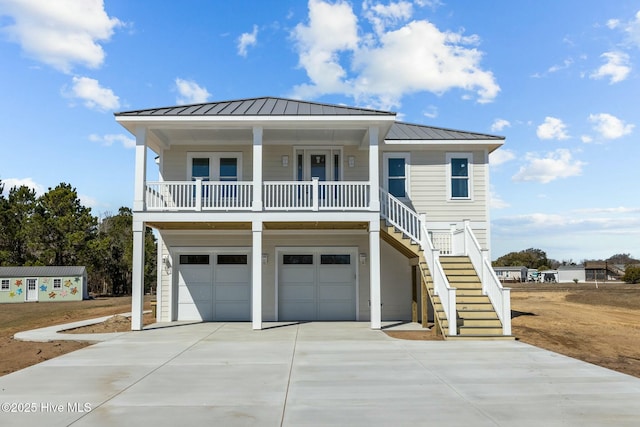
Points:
[(317, 285), (214, 287)]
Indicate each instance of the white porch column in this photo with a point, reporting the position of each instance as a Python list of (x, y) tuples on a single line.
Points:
[(257, 168), (140, 176), (256, 275), (374, 274), (137, 285), (374, 169)]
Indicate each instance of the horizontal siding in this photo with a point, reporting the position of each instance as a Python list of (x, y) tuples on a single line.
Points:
[(429, 188)]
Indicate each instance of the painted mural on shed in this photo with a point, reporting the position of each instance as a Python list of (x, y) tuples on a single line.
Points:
[(43, 284)]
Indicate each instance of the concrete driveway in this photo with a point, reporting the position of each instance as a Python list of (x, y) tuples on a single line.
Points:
[(313, 374)]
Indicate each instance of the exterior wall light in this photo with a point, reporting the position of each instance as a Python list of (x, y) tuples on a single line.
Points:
[(285, 161)]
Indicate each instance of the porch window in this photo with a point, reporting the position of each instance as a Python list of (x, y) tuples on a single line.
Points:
[(4, 285), (215, 166), (459, 172), (396, 174)]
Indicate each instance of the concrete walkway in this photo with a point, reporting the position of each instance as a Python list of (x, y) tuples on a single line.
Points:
[(313, 374)]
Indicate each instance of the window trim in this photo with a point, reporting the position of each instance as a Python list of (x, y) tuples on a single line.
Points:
[(469, 158), (214, 163), (3, 283), (407, 172)]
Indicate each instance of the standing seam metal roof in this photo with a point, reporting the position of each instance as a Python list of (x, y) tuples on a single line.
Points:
[(42, 271), (408, 131), (266, 106)]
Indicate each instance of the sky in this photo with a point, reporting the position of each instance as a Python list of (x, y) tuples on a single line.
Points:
[(559, 79)]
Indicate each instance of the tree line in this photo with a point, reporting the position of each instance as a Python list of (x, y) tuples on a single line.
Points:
[(55, 229)]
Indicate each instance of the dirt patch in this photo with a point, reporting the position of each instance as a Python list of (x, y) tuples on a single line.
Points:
[(424, 334), (15, 355), (113, 324)]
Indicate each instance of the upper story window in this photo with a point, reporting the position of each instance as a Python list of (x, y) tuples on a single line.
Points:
[(215, 166), (396, 174), (459, 176)]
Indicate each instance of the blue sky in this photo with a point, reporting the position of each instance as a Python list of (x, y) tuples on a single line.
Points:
[(559, 79)]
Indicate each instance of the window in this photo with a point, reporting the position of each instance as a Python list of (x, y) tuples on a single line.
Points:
[(297, 259), (232, 259), (459, 173), (396, 174), (335, 259), (194, 259), (4, 285), (57, 283), (214, 166)]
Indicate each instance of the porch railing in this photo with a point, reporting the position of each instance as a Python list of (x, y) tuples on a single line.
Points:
[(413, 226), (200, 195), (465, 242)]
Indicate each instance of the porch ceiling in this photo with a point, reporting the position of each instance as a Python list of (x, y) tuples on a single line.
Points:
[(197, 136)]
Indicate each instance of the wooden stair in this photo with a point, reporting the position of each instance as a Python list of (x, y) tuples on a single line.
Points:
[(476, 317)]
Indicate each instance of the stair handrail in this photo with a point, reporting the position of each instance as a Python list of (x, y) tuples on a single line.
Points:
[(441, 286), (414, 226), (499, 296)]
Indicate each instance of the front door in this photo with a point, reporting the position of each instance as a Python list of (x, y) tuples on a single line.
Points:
[(32, 290), (319, 165)]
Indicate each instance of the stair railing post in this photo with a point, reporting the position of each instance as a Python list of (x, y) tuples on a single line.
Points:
[(484, 273)]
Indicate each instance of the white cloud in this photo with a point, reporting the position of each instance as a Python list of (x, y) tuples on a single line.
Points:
[(9, 183), (586, 139), (93, 95), (613, 23), (632, 28), (495, 201), (610, 127), (109, 139), (500, 156), (189, 92), (555, 165), (431, 112), (247, 39), (616, 67), (380, 68), (60, 33), (381, 16), (552, 128), (500, 124), (565, 64)]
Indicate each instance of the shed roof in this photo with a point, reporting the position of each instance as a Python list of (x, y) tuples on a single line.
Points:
[(265, 106), (42, 271)]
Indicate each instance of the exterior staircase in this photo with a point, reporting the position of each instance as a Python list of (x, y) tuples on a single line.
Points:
[(475, 316)]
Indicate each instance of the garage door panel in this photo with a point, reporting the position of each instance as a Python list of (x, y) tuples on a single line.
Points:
[(298, 311), (297, 274), (322, 289), (214, 292), (232, 292), (335, 273), (336, 310), (343, 291), (232, 310), (298, 292)]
